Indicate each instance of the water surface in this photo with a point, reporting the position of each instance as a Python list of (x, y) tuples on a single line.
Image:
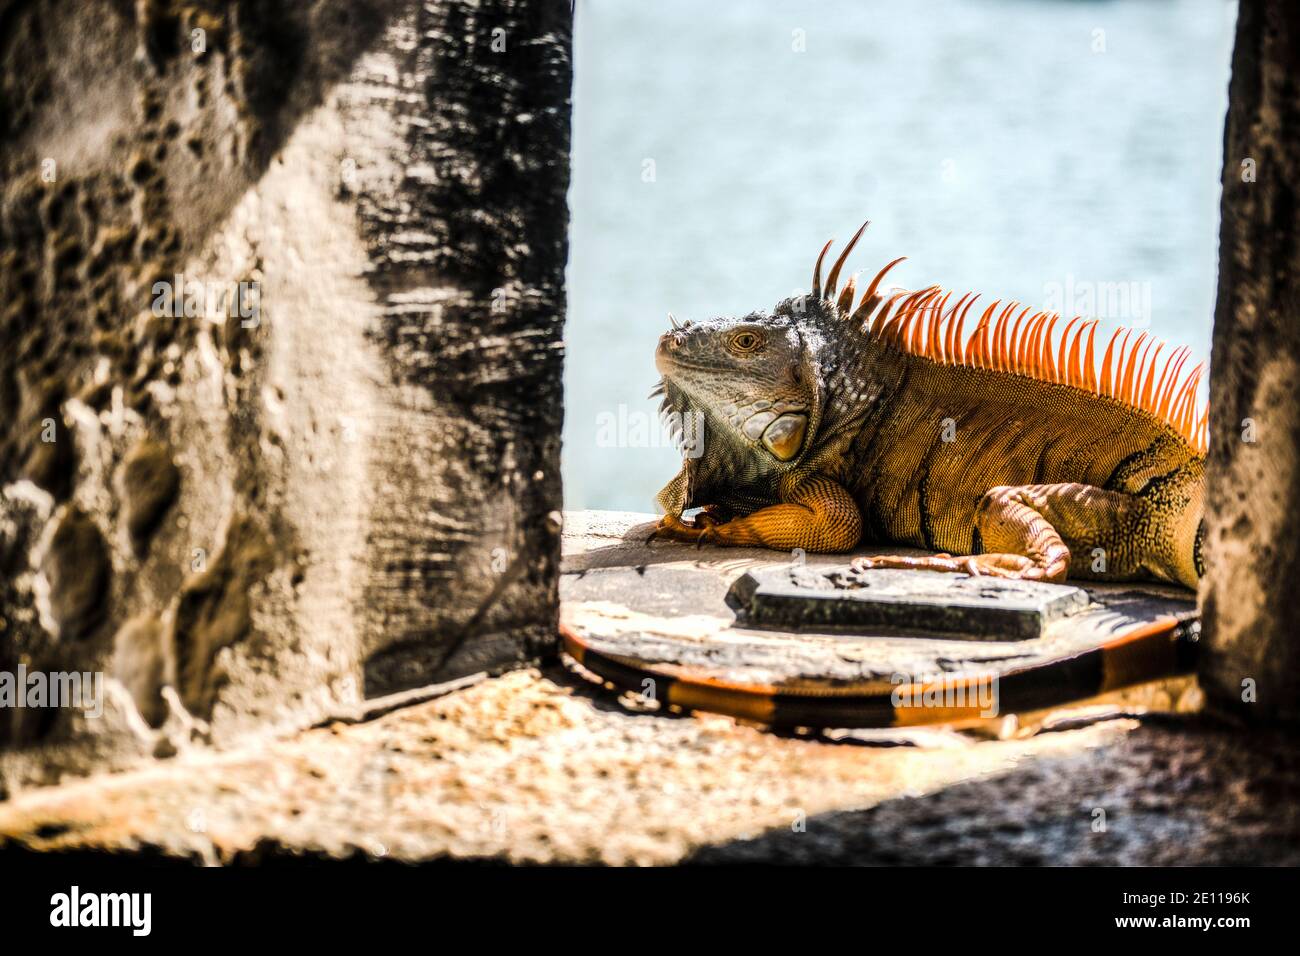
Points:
[(1044, 150)]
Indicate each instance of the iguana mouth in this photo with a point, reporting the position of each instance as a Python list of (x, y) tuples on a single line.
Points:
[(668, 361)]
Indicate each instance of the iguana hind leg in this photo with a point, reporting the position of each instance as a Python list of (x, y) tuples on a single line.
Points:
[(1029, 532), (819, 515)]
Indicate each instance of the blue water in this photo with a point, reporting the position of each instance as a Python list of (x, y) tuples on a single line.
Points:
[(1005, 146)]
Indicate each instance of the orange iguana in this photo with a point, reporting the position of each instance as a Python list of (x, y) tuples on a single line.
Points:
[(826, 424)]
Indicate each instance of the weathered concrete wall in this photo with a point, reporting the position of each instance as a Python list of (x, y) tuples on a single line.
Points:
[(251, 512), (1250, 614)]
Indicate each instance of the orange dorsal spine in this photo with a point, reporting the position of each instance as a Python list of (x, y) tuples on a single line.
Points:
[(913, 322)]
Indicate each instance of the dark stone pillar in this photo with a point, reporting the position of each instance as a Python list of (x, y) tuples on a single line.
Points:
[(1250, 609), (281, 303)]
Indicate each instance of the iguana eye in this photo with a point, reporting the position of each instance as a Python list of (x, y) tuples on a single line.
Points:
[(745, 341)]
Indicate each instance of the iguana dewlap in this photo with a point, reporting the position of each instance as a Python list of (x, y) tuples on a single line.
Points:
[(903, 419)]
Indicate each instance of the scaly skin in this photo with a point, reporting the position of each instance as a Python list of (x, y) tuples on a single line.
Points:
[(1007, 450)]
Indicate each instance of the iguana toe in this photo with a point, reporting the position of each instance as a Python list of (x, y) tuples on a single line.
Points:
[(673, 528)]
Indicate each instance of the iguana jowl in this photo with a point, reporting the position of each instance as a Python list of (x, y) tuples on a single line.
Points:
[(827, 423)]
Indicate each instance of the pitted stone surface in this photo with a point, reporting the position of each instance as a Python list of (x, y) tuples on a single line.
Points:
[(280, 360)]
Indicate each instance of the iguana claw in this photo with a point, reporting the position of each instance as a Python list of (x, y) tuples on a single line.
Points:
[(673, 528)]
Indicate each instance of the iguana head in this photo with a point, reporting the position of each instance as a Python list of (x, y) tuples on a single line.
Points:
[(754, 379), (755, 397)]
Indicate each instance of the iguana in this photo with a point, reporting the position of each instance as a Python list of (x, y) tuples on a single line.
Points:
[(825, 423)]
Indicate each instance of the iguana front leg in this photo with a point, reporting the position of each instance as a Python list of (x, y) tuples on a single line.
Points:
[(817, 515), (1027, 532)]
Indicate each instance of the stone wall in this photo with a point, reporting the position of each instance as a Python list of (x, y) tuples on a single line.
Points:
[(281, 302), (1250, 615)]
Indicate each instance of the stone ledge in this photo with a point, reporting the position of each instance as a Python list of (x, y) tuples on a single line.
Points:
[(547, 767), (542, 767)]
